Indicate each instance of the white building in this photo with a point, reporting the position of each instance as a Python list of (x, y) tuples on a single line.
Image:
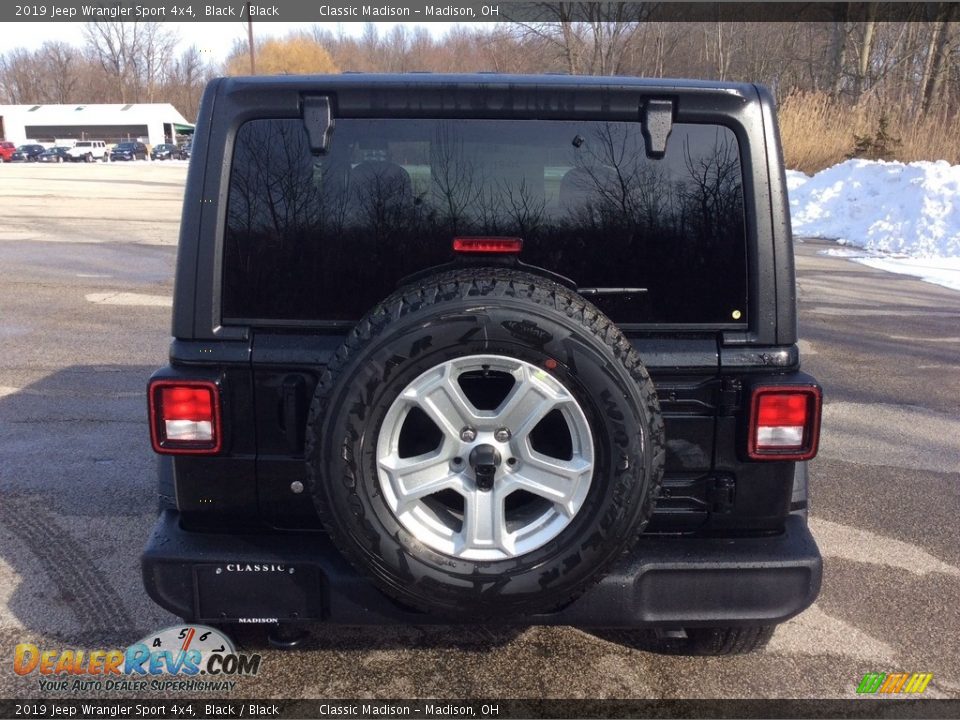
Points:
[(152, 123)]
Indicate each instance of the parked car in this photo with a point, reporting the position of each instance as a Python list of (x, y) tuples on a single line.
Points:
[(412, 399), (27, 153), (89, 151), (55, 155), (7, 149), (166, 151), (129, 151)]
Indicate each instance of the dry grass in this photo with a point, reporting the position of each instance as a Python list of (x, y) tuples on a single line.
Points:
[(933, 139), (818, 132)]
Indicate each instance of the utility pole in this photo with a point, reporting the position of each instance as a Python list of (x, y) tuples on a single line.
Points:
[(253, 66)]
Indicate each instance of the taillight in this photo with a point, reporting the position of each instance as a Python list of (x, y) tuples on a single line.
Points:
[(784, 423), (185, 417), (495, 245)]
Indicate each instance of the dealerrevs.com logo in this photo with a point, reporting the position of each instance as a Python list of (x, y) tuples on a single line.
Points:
[(182, 657)]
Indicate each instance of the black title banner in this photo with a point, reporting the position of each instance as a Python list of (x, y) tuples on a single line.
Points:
[(314, 11), (492, 709)]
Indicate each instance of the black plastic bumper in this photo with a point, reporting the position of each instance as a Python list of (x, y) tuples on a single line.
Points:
[(667, 582)]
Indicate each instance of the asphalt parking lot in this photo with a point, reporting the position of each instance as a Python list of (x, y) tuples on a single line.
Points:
[(87, 255)]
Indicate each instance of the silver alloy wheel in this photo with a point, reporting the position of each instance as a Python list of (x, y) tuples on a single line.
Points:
[(439, 495)]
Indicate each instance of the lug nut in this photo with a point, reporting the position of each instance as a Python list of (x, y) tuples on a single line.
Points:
[(502, 435), (296, 487), (468, 434)]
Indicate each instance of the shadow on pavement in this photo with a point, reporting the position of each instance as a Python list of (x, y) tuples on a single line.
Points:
[(79, 501)]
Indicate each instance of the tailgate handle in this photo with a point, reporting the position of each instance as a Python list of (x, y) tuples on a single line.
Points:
[(292, 390)]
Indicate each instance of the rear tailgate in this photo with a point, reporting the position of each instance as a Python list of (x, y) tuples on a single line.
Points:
[(287, 367)]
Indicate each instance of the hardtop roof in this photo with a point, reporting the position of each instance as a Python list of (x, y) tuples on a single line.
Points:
[(482, 79)]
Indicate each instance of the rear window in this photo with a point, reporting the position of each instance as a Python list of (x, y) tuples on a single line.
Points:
[(324, 238)]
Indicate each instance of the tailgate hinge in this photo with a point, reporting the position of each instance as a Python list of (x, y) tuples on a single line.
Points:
[(721, 492), (730, 392), (657, 120), (292, 415), (318, 120)]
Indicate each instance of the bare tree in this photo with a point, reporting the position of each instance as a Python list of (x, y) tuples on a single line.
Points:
[(838, 48), (20, 77), (937, 54), (863, 62), (133, 55), (155, 46), (591, 38), (61, 63), (185, 80), (866, 49), (111, 43), (456, 182)]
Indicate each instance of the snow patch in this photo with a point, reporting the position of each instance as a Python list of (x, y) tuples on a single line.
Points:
[(846, 253), (904, 218), (128, 298), (940, 271), (795, 179)]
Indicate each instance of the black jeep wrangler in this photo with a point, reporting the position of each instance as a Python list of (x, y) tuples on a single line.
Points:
[(486, 349)]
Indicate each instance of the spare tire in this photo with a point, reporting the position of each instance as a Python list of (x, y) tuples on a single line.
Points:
[(486, 442)]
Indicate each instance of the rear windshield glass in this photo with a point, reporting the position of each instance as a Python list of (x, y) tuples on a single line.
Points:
[(326, 237)]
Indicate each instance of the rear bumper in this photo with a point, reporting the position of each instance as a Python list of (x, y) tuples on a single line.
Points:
[(667, 582)]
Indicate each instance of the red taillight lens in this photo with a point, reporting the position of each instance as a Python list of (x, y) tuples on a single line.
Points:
[(184, 416), (784, 423), (494, 245), (186, 403), (783, 409)]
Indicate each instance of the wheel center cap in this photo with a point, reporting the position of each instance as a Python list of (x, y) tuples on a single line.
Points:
[(484, 459)]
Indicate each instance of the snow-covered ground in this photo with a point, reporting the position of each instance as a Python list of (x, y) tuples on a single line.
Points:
[(905, 218)]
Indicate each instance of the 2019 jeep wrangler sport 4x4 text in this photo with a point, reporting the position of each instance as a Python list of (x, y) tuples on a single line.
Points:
[(486, 349)]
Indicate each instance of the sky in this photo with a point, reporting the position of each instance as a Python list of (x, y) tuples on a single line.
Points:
[(213, 39)]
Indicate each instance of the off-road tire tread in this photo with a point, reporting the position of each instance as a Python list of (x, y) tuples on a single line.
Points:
[(729, 640), (699, 642)]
